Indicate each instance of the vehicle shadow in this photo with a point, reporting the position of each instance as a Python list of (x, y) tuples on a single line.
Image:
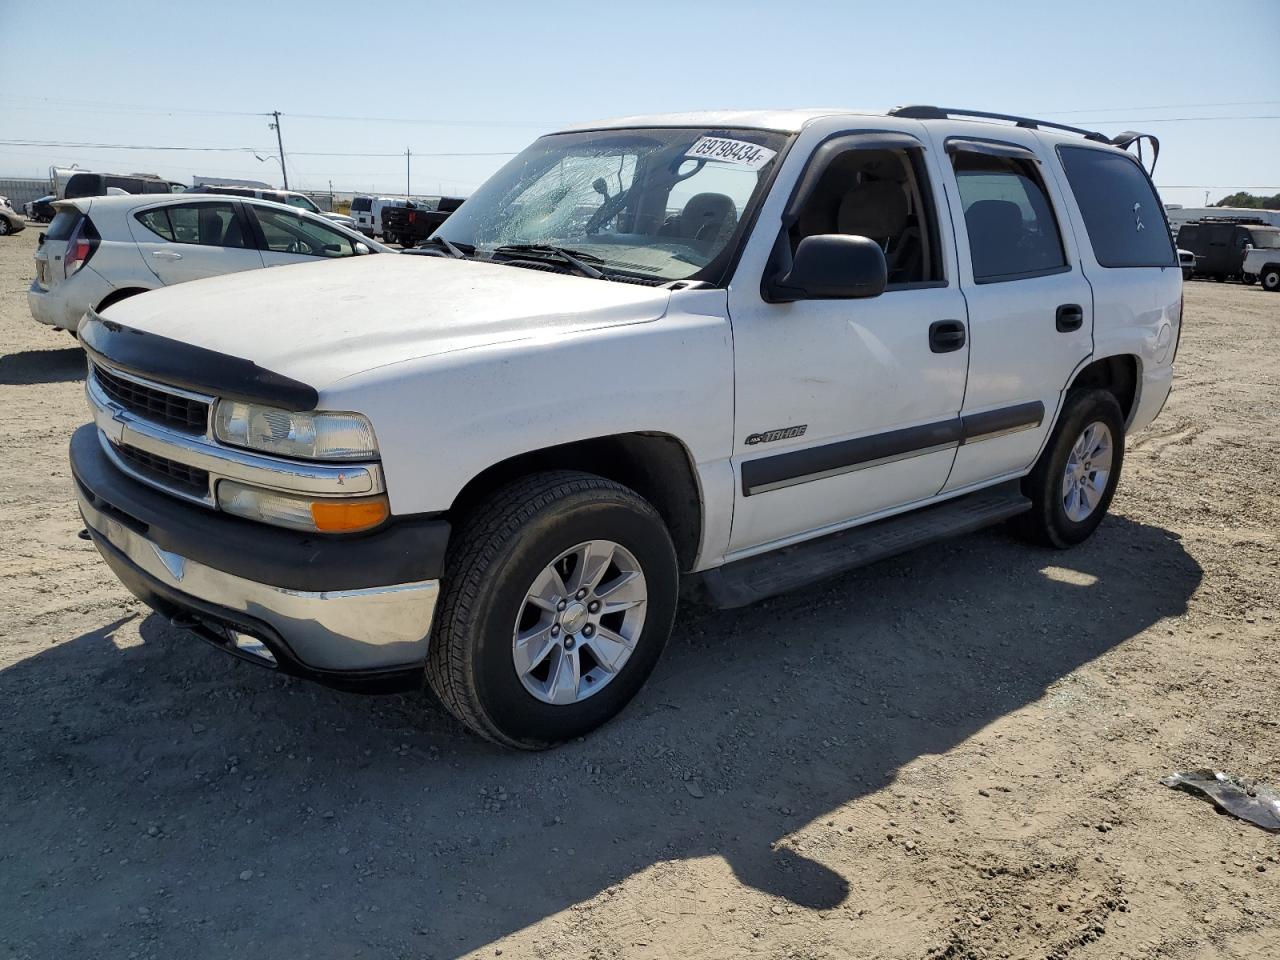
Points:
[(42, 366), (376, 823)]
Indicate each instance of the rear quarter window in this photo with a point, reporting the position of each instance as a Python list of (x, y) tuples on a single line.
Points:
[(1120, 208)]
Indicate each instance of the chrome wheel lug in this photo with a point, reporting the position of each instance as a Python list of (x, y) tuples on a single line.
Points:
[(581, 593), (588, 630), (561, 605), (555, 630), (569, 642), (594, 606)]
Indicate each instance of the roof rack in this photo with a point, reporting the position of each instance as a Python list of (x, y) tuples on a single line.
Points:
[(1123, 140), (923, 112)]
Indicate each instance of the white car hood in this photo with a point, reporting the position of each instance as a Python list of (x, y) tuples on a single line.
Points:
[(321, 322)]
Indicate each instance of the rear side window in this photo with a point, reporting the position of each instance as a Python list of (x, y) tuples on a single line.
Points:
[(361, 205), (207, 224), (1120, 209), (63, 223), (1013, 233)]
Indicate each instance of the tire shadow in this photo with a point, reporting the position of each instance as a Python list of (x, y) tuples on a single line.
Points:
[(756, 723)]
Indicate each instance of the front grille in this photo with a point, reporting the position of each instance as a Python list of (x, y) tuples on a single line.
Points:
[(154, 403), (167, 473)]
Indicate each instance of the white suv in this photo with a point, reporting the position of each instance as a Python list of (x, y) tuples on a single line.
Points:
[(751, 349), (100, 250)]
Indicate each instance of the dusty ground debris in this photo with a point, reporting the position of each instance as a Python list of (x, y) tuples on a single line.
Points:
[(1073, 681)]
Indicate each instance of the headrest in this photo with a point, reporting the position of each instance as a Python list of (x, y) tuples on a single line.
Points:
[(876, 209), (705, 208), (998, 218)]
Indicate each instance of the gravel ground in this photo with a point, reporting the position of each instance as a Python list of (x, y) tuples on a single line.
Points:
[(954, 754)]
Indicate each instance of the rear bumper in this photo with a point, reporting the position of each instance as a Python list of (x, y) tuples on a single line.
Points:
[(354, 620), (64, 304), (1153, 394)]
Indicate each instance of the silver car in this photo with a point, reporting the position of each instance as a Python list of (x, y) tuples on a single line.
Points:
[(11, 221), (99, 250)]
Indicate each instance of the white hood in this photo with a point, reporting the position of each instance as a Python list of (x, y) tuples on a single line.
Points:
[(320, 322)]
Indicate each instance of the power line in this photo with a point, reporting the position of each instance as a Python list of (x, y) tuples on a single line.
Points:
[(99, 107), (1166, 106), (295, 153), (1181, 119)]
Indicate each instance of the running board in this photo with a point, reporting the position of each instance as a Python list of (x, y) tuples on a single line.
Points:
[(755, 578)]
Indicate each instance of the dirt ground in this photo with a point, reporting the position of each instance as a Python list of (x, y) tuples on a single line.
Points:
[(955, 754)]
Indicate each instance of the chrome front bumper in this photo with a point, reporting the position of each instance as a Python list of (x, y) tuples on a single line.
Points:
[(334, 632)]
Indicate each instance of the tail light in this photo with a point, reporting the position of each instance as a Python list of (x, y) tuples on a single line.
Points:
[(80, 246)]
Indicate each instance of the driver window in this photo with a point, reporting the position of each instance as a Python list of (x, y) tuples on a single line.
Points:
[(880, 194), (287, 232)]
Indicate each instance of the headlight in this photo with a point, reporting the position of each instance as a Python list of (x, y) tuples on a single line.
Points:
[(306, 436), (319, 514)]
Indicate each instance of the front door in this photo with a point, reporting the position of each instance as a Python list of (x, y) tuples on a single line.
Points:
[(1030, 307), (846, 408)]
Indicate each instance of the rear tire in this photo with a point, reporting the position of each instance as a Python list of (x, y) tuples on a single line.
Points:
[(4, 227), (1270, 279), (1072, 483), (504, 552)]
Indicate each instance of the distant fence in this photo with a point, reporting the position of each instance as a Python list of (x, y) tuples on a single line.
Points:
[(21, 190)]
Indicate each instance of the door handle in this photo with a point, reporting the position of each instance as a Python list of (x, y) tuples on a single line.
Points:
[(946, 336), (166, 255), (1070, 317)]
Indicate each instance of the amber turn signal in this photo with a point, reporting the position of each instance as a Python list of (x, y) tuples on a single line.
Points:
[(349, 516)]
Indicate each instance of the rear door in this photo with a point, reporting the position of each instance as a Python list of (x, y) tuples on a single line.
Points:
[(1030, 307), (289, 236), (200, 238)]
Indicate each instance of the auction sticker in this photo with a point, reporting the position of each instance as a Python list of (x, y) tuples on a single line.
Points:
[(738, 152)]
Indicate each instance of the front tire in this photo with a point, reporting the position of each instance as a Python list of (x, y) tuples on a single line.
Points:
[(1072, 483), (4, 227), (1270, 279), (557, 603)]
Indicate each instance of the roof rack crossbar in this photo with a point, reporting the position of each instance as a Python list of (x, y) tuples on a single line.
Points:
[(924, 112)]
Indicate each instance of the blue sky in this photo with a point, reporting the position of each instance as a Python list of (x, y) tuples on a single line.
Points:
[(487, 77)]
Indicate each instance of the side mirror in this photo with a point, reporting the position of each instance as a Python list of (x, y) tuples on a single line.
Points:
[(361, 249), (600, 187), (831, 266)]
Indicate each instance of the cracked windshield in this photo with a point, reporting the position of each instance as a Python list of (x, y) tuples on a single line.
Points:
[(660, 204)]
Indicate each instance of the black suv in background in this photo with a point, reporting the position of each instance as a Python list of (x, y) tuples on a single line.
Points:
[(1220, 246)]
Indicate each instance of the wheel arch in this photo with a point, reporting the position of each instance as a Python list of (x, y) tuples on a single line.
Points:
[(657, 466), (115, 296), (1119, 374)]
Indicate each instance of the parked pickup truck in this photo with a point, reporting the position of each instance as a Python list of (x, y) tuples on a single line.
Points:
[(1263, 259), (752, 350), (413, 222)]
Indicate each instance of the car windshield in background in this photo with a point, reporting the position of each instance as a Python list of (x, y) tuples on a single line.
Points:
[(662, 203)]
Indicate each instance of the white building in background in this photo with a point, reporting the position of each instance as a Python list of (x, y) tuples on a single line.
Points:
[(199, 181), (1178, 214)]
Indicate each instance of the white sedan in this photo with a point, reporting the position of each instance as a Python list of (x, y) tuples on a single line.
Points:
[(99, 250)]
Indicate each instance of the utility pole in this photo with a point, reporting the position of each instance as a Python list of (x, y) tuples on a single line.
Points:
[(407, 192), (280, 143)]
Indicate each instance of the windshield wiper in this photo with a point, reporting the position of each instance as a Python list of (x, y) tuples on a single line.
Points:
[(573, 258), (453, 250)]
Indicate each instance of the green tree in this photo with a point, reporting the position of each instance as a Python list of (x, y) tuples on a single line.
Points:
[(1243, 199)]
